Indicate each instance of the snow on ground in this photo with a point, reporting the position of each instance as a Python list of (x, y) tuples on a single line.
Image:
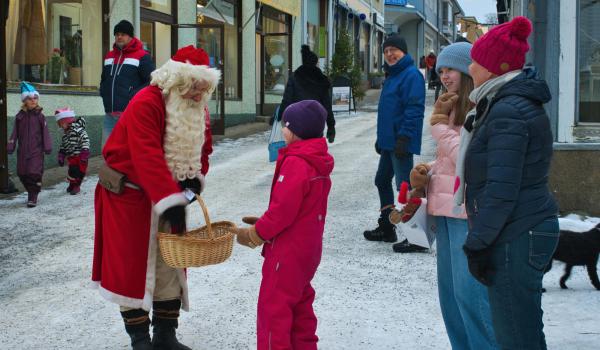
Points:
[(367, 296)]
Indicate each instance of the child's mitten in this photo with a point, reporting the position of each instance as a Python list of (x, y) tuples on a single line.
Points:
[(249, 237), (84, 156), (250, 220)]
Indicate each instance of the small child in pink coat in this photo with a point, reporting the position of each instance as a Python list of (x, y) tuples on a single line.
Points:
[(292, 232)]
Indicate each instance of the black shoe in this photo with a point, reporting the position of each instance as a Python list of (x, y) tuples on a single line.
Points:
[(384, 232), (405, 247), (164, 323)]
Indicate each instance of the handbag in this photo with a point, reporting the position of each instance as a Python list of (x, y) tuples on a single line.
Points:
[(276, 141), (111, 179)]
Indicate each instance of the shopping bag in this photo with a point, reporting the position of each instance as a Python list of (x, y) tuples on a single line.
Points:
[(276, 141), (420, 229)]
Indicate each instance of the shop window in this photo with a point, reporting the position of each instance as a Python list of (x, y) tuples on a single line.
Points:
[(363, 56), (163, 6), (589, 61), (54, 42), (222, 15)]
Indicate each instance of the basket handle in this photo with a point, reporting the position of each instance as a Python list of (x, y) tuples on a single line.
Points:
[(206, 218)]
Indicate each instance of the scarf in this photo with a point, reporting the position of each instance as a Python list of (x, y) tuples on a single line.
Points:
[(486, 91)]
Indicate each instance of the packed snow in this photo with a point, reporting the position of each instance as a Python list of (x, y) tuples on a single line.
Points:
[(367, 296)]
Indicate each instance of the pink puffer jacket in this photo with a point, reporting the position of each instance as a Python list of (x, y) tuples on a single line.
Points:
[(440, 192)]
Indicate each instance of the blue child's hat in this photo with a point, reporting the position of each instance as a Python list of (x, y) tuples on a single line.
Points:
[(27, 90)]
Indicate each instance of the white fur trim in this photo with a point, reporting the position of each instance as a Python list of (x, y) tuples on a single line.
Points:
[(64, 114), (170, 201), (27, 94), (174, 74), (120, 299), (151, 262)]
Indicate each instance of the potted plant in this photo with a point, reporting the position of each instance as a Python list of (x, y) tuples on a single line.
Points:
[(73, 55), (376, 79), (56, 67)]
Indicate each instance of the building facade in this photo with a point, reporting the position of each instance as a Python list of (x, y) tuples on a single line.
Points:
[(427, 25), (565, 48)]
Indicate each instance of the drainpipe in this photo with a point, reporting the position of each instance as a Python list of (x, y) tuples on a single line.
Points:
[(136, 17)]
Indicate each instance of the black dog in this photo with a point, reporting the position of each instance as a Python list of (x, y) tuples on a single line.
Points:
[(578, 249)]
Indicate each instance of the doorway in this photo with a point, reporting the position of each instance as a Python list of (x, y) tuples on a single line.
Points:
[(211, 38)]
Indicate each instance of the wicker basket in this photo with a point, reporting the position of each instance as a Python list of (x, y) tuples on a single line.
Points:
[(208, 245)]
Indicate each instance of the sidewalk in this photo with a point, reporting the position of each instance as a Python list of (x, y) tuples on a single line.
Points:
[(57, 176)]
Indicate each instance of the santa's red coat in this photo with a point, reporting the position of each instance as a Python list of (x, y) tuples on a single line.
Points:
[(125, 244)]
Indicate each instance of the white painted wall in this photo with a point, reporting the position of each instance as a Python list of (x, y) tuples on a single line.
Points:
[(567, 71)]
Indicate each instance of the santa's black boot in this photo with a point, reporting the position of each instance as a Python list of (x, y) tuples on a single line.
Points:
[(137, 325), (385, 230), (164, 322)]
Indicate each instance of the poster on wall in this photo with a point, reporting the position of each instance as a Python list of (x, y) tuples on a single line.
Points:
[(341, 99)]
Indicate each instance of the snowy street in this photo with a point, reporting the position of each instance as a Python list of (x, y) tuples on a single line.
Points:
[(368, 297)]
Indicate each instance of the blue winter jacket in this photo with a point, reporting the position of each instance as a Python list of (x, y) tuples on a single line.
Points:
[(126, 71), (507, 164), (401, 106)]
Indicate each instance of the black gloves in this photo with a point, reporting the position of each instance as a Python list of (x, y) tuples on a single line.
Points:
[(401, 149), (193, 184), (176, 218), (480, 264), (330, 134), (377, 149)]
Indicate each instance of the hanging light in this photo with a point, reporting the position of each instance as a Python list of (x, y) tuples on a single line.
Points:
[(362, 16)]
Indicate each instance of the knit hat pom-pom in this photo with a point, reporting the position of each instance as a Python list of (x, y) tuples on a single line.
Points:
[(521, 27)]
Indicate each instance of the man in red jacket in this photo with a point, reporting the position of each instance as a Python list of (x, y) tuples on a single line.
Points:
[(126, 71), (161, 144)]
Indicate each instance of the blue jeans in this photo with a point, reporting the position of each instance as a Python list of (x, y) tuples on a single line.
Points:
[(108, 126), (516, 290), (464, 301), (391, 167)]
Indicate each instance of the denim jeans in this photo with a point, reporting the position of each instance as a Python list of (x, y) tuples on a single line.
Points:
[(391, 167), (516, 290), (107, 127), (464, 301)]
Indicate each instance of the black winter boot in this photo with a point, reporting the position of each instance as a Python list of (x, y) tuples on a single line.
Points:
[(385, 230), (164, 321), (137, 325)]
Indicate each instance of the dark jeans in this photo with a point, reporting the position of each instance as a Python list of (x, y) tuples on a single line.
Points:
[(391, 167), (516, 290)]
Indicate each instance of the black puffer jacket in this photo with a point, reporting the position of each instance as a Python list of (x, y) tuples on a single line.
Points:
[(507, 164), (308, 83)]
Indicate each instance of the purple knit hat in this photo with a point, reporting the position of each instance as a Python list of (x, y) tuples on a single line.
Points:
[(306, 119)]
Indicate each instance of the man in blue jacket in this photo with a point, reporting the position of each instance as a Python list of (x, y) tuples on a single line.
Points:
[(126, 71), (399, 130)]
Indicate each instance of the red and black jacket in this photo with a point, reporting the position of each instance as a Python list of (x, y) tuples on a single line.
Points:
[(125, 72)]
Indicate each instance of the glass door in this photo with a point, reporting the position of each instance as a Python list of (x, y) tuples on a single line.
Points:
[(211, 38), (275, 69)]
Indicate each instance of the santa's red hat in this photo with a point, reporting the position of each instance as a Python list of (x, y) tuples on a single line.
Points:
[(192, 55)]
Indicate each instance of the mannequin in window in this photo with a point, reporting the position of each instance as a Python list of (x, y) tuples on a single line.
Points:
[(31, 36)]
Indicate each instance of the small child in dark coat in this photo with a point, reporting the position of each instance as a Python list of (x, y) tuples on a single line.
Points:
[(31, 134), (74, 147)]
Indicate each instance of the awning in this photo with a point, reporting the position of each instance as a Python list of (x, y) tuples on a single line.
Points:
[(291, 7)]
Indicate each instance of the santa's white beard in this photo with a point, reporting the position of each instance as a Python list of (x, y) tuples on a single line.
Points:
[(184, 136)]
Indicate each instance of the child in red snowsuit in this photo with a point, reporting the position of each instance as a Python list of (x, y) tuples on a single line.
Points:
[(292, 231), (74, 147)]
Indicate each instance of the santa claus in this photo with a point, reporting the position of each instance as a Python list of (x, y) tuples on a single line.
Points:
[(161, 144)]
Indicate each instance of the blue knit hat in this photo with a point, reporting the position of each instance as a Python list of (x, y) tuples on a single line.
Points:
[(456, 56), (306, 119), (27, 90)]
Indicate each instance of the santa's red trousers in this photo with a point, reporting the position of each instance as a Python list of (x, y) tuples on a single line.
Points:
[(77, 170), (286, 319)]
